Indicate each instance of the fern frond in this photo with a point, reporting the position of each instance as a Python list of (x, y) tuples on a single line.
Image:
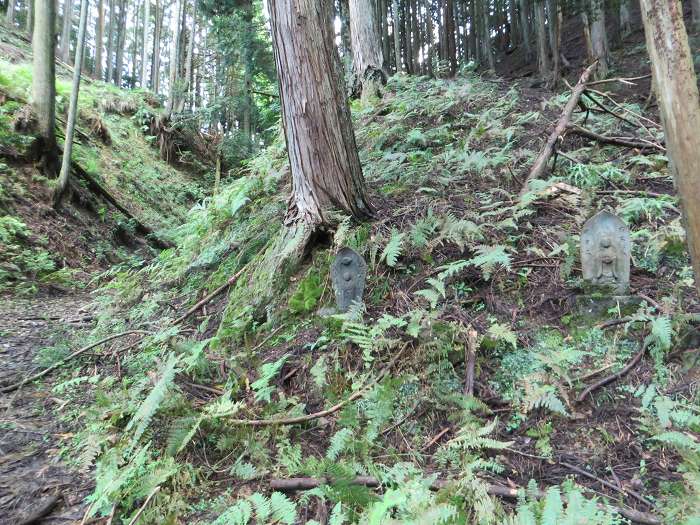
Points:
[(339, 442), (182, 432), (393, 249), (142, 418)]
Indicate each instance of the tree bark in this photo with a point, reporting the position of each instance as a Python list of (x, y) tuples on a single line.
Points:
[(525, 29), (65, 33), (155, 63), (626, 16), (450, 37), (121, 41), (175, 60), (396, 23), (30, 18), (62, 184), (597, 37), (99, 37), (109, 66), (696, 13), (366, 48), (543, 65), (44, 82), (325, 165), (555, 21), (679, 104), (485, 37), (144, 47), (10, 13), (189, 58)]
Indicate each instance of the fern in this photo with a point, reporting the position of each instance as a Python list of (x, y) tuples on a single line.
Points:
[(142, 418), (275, 509), (393, 249), (489, 258), (502, 332), (661, 333), (182, 432), (261, 386), (339, 442)]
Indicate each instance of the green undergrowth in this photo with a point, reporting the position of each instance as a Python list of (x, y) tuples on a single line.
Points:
[(113, 146), (455, 260)]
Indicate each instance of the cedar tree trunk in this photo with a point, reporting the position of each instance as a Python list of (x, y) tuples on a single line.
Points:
[(325, 165), (677, 93), (366, 48)]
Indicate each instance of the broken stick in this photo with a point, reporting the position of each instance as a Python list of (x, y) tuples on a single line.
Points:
[(292, 484), (540, 165)]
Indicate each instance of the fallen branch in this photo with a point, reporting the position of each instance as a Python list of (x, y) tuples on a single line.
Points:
[(540, 165), (323, 413), (41, 512), (614, 377), (470, 360), (616, 141), (623, 80), (582, 472), (12, 388), (209, 297), (293, 484), (145, 503)]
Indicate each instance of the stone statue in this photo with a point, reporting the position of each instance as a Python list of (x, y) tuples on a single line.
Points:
[(348, 272), (605, 253)]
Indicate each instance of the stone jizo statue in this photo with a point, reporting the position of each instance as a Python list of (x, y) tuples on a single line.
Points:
[(348, 272), (605, 253)]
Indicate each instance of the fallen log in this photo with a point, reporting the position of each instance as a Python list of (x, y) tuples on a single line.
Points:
[(616, 141), (294, 484), (540, 165)]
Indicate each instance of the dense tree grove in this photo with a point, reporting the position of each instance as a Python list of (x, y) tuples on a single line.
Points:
[(213, 60)]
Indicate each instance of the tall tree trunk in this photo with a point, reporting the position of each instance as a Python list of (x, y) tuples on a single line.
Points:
[(677, 93), (174, 59), (386, 41), (144, 47), (99, 37), (10, 13), (626, 16), (450, 37), (30, 18), (65, 34), (487, 53), (473, 36), (514, 23), (429, 39), (121, 41), (109, 66), (396, 23), (189, 57), (696, 13), (325, 165), (543, 65), (555, 19), (345, 38), (366, 48), (155, 63), (62, 184), (525, 29), (44, 82), (596, 34), (415, 38)]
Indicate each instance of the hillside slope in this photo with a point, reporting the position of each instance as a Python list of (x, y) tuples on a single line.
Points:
[(122, 189)]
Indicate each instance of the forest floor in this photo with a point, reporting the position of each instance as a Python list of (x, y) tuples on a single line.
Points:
[(33, 474)]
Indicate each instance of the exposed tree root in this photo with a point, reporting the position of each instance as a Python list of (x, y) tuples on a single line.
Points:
[(614, 377)]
